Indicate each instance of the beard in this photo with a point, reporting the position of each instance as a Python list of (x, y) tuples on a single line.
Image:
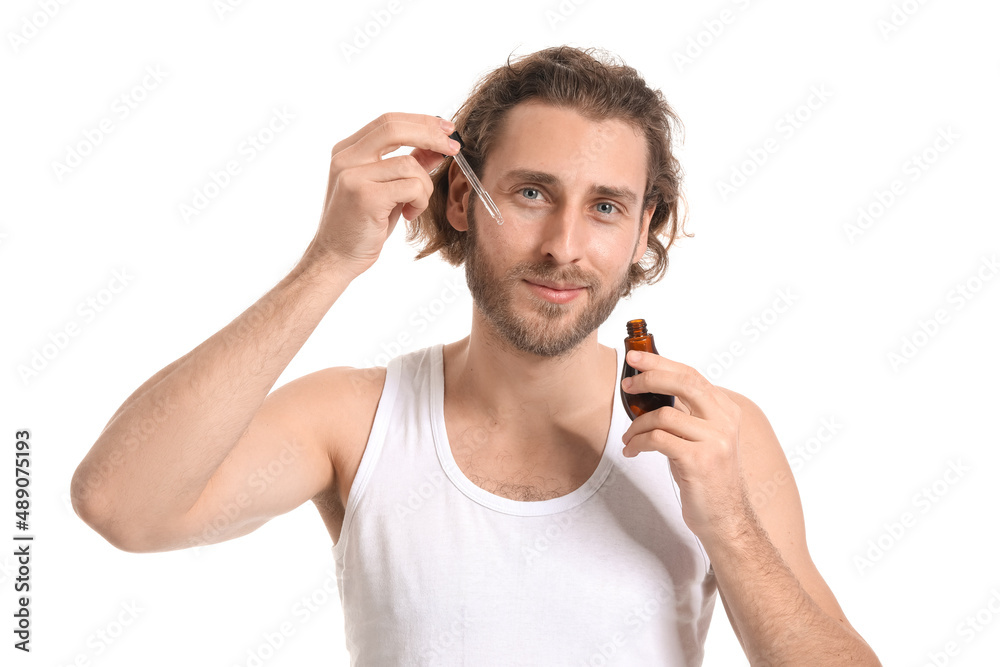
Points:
[(549, 329)]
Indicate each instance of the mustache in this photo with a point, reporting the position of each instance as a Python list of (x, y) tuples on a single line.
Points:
[(549, 273)]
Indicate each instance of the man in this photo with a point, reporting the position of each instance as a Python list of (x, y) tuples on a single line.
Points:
[(481, 509)]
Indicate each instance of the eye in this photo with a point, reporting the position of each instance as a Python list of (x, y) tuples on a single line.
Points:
[(537, 193), (608, 211)]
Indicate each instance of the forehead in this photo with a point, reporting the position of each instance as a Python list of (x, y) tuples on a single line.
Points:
[(542, 137)]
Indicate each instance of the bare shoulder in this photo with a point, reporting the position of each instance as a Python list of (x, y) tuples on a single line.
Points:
[(742, 401), (765, 466), (768, 475), (298, 447), (340, 404), (757, 437)]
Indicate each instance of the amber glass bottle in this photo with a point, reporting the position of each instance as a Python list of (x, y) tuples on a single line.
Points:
[(639, 404)]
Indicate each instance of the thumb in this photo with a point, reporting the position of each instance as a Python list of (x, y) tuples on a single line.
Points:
[(394, 218)]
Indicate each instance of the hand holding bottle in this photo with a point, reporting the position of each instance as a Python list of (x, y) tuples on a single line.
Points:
[(702, 445), (366, 195), (639, 404)]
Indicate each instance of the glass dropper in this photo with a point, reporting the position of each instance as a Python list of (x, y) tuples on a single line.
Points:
[(484, 196)]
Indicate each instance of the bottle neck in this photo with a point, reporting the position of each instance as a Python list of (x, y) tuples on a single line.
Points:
[(636, 328)]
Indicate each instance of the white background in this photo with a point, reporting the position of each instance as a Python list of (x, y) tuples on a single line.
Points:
[(826, 357)]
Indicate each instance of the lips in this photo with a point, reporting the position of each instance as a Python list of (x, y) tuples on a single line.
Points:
[(556, 286), (555, 292)]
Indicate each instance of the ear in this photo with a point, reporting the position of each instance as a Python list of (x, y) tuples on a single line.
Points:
[(456, 208), (640, 250)]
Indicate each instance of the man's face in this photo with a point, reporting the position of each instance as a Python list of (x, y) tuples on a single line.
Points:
[(570, 192)]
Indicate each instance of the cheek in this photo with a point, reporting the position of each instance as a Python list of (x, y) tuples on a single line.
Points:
[(499, 247), (516, 239), (614, 249), (521, 227)]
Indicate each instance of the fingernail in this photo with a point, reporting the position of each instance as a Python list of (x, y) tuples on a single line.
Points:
[(634, 355), (626, 383), (447, 125), (454, 144)]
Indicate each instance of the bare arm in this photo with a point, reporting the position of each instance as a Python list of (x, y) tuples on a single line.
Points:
[(738, 496), (201, 428), (780, 607), (153, 460)]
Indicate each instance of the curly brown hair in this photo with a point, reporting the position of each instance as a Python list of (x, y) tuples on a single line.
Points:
[(599, 88)]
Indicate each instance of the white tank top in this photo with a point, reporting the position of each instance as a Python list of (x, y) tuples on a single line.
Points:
[(435, 570)]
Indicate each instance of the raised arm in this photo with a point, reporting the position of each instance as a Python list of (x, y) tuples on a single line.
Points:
[(181, 454)]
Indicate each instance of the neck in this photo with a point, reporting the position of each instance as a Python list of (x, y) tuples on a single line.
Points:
[(528, 398)]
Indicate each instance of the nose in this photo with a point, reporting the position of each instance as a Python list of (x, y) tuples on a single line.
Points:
[(563, 235)]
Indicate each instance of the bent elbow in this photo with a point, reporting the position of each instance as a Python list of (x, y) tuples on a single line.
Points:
[(95, 509)]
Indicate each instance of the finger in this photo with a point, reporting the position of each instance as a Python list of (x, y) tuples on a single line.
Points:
[(391, 134), (428, 160), (349, 153), (418, 118), (395, 169), (394, 218), (667, 444), (401, 192), (664, 376), (684, 426)]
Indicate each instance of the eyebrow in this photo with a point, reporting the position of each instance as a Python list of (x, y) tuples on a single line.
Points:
[(545, 178)]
